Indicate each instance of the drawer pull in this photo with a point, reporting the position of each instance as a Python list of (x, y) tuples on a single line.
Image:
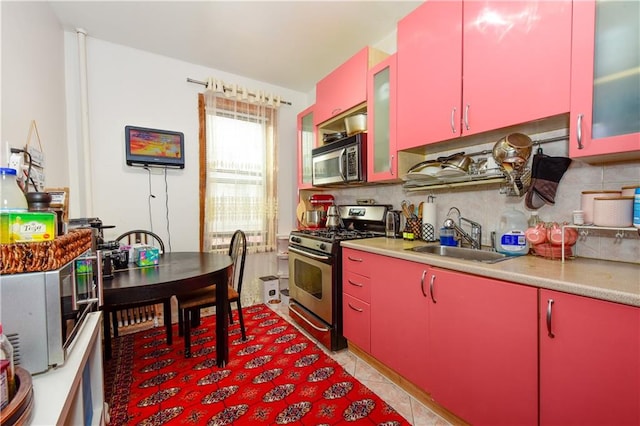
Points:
[(355, 308), (355, 259), (354, 284)]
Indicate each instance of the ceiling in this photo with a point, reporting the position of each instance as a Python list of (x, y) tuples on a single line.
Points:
[(291, 44)]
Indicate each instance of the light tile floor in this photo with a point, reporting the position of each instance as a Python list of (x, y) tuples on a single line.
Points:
[(412, 410)]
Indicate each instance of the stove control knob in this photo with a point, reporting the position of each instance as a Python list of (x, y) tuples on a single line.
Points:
[(296, 239), (322, 246)]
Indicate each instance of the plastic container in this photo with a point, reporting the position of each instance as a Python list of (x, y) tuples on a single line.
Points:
[(448, 237), (11, 196), (636, 208), (534, 219), (8, 375), (510, 236)]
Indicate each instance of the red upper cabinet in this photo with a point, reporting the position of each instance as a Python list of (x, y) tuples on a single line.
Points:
[(382, 161), (346, 86), (590, 368), (469, 67), (429, 74), (306, 142), (605, 81)]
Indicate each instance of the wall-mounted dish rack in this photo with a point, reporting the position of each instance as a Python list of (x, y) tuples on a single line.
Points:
[(425, 182)]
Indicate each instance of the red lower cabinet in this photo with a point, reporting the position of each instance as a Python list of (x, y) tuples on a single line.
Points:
[(483, 353), (589, 361), (357, 321), (399, 317)]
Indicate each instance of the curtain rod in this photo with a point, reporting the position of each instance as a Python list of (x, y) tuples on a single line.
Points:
[(203, 83)]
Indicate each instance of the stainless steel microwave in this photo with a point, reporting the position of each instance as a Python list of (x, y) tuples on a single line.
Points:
[(341, 162), (41, 312)]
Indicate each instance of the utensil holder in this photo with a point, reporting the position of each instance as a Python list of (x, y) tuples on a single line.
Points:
[(414, 226)]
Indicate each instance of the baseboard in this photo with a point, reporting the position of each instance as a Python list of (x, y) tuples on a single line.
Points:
[(407, 386)]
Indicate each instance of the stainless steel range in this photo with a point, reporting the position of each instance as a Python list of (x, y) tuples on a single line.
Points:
[(315, 271)]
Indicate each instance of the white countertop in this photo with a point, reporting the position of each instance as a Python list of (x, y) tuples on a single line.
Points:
[(613, 281), (54, 390)]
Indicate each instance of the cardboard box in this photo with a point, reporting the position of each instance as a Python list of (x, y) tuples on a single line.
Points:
[(146, 256), (26, 227)]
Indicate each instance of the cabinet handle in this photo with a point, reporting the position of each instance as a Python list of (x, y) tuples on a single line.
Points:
[(354, 259), (549, 307), (433, 278), (354, 284), (579, 131), (391, 165), (466, 116), (453, 120), (335, 111), (354, 308), (424, 273)]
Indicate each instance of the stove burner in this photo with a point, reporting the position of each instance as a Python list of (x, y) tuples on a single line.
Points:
[(338, 234)]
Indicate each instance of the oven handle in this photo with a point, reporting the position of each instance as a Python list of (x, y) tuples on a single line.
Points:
[(306, 253), (299, 315), (342, 163)]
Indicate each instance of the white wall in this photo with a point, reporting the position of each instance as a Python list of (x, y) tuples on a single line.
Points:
[(33, 84), (129, 86)]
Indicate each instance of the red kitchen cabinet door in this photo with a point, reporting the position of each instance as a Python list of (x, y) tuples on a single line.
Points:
[(483, 354), (516, 62), (399, 318), (605, 93), (590, 368), (306, 142), (429, 74), (382, 158), (470, 67), (343, 88), (356, 326)]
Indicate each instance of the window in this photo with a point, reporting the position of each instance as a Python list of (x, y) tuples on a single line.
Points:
[(238, 157)]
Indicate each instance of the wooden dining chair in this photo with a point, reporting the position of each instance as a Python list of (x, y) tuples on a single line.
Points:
[(189, 305), (123, 315)]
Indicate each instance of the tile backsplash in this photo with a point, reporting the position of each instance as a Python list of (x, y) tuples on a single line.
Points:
[(485, 203)]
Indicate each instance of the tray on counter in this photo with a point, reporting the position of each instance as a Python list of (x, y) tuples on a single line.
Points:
[(16, 258)]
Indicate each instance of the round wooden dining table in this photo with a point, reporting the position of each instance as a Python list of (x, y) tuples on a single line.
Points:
[(176, 273)]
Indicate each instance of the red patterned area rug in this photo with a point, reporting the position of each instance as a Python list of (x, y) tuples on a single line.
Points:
[(277, 376)]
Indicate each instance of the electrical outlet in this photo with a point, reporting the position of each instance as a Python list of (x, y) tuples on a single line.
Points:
[(16, 161)]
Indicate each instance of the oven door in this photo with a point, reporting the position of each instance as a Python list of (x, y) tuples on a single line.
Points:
[(311, 282), (80, 290)]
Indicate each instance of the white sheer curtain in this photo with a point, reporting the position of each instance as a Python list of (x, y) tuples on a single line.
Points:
[(241, 167)]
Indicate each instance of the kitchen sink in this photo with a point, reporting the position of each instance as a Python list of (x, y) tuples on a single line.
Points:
[(463, 253)]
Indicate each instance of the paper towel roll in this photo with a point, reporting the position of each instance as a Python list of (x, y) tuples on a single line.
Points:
[(429, 214)]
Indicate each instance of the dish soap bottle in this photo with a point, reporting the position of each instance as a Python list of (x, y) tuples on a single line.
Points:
[(510, 237)]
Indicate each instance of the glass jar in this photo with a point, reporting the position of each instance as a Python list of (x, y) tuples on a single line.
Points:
[(11, 196)]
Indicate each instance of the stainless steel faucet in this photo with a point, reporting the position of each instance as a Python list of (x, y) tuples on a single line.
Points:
[(475, 238)]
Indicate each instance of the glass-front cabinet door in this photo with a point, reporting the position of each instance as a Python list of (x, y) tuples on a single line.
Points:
[(382, 159), (306, 142), (605, 80)]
